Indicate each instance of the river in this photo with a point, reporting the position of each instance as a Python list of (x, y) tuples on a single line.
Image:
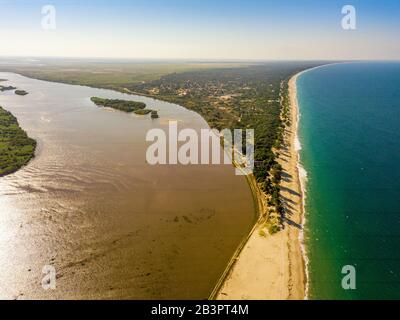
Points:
[(112, 225)]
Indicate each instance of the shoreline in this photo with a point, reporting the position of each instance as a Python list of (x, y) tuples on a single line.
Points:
[(274, 266), (301, 172)]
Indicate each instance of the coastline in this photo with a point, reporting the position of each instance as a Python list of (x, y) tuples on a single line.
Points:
[(274, 266)]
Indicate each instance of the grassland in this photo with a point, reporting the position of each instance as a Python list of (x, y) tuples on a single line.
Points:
[(108, 75), (16, 148), (122, 105)]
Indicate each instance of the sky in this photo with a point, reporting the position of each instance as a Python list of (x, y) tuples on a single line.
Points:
[(201, 29)]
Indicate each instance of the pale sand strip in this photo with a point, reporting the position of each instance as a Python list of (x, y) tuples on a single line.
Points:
[(273, 267)]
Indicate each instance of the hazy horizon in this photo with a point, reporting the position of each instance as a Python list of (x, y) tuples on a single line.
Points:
[(188, 60), (207, 30)]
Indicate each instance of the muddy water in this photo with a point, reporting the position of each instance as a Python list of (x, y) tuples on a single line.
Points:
[(112, 225)]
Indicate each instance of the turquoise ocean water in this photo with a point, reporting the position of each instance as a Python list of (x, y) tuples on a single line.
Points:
[(350, 135)]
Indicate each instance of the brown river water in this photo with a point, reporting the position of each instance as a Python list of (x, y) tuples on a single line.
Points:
[(112, 225)]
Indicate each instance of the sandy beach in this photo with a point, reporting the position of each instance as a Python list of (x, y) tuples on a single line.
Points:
[(272, 266)]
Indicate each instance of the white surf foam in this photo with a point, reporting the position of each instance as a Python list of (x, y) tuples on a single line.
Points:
[(297, 144), (302, 173)]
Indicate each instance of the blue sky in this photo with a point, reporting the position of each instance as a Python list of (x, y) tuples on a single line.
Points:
[(202, 29)]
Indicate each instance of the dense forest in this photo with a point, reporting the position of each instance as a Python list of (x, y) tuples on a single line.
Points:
[(16, 148)]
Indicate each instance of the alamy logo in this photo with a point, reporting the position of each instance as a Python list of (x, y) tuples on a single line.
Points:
[(349, 280), (49, 17), (187, 147), (49, 280), (349, 20)]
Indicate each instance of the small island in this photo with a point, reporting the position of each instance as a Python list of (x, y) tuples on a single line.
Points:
[(6, 88), (16, 148), (154, 114), (21, 92), (122, 105)]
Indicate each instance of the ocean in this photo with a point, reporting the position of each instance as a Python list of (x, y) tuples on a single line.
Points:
[(349, 131)]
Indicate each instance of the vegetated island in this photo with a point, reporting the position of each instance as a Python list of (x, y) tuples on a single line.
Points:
[(21, 92), (16, 148), (122, 105), (154, 114), (10, 88), (7, 88)]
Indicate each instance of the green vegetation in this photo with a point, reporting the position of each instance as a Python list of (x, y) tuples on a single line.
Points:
[(273, 222), (16, 148), (273, 227), (143, 111), (123, 105), (262, 233), (21, 92)]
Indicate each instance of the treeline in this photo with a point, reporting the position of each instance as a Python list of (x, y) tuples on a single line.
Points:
[(16, 148)]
